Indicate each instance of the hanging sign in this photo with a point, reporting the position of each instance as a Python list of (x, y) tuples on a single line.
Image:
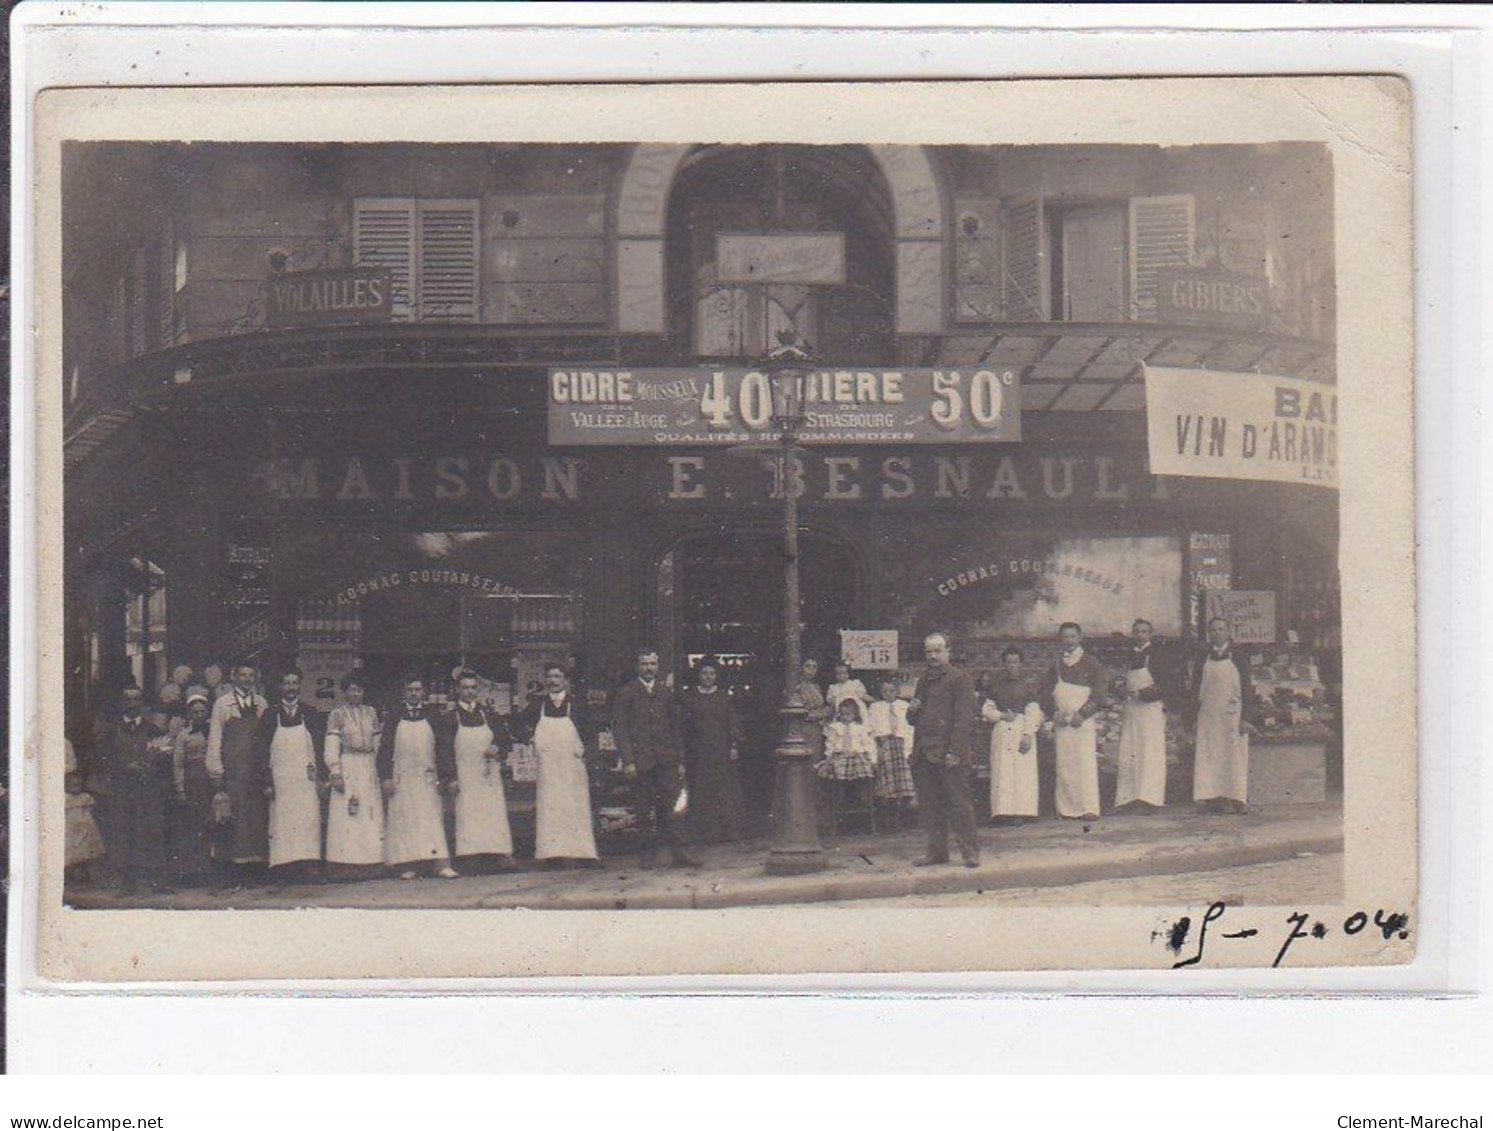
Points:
[(1211, 298), (780, 257), (355, 294), (695, 407), (1210, 560), (1220, 425), (1251, 615), (869, 649)]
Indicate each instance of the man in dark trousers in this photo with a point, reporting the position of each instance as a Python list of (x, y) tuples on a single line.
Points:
[(140, 792), (943, 712), (645, 724)]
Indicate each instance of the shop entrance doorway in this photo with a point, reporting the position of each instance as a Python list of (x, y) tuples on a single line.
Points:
[(722, 595)]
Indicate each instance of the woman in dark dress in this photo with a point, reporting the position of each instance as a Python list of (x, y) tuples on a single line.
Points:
[(712, 737)]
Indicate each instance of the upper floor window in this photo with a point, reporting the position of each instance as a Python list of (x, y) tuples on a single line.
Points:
[(1071, 261), (432, 250)]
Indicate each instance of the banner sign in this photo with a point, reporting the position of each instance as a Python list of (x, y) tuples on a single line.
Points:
[(780, 257), (356, 294), (869, 649), (1220, 425), (693, 407), (1251, 615)]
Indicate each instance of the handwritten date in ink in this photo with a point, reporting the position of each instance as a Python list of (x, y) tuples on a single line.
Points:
[(1177, 936)]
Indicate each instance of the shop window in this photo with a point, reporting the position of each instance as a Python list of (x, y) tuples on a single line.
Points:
[(432, 250), (145, 622)]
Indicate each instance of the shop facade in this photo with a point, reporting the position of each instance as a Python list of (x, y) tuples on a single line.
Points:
[(310, 397)]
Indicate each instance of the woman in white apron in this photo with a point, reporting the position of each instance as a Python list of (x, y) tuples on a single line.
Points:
[(415, 830), (288, 739), (355, 816), (1075, 691), (478, 740), (1224, 697), (1142, 758), (1014, 708), (563, 831)]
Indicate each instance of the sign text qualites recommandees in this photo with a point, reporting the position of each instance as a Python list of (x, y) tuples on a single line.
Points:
[(735, 406)]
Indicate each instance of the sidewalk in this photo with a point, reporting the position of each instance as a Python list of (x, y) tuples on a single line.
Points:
[(1046, 853)]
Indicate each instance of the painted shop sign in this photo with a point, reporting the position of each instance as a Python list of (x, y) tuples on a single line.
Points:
[(424, 575), (1210, 560), (1251, 614), (712, 477), (695, 407), (780, 257), (355, 294), (1211, 298), (1222, 425)]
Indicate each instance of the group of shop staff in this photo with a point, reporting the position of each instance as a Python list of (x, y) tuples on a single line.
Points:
[(240, 784)]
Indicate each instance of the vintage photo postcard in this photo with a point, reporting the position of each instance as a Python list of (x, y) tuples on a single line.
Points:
[(754, 529)]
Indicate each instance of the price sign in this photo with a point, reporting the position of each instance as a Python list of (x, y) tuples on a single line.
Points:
[(869, 649), (1251, 615)]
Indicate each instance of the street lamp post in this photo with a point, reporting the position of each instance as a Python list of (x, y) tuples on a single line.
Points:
[(795, 835)]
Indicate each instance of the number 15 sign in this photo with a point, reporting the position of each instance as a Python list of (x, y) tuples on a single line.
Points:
[(873, 649)]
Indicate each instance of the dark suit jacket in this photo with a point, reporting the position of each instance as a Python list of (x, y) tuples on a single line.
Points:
[(527, 720), (450, 722), (945, 722), (269, 724), (1246, 685), (646, 726), (445, 749), (1171, 680)]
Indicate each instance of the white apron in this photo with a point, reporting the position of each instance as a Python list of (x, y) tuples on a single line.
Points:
[(481, 804), (1013, 775), (416, 827), (355, 837), (1078, 754), (1222, 767), (295, 812), (1142, 745), (563, 805)]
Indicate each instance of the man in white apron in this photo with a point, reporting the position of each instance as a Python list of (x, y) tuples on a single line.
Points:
[(1141, 787), (289, 734), (355, 815), (556, 723), (1014, 707), (1223, 698), (415, 833), (1075, 693), (478, 739)]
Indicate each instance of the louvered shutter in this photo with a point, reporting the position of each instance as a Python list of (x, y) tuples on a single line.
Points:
[(448, 258), (166, 276), (140, 314), (384, 236), (1161, 235), (1026, 277)]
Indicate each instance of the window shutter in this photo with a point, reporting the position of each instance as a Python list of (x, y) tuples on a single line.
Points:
[(140, 316), (449, 255), (1027, 278), (166, 274), (1161, 235), (384, 236)]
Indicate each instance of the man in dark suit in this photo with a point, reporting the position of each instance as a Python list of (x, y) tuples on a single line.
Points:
[(645, 724), (942, 712), (140, 791)]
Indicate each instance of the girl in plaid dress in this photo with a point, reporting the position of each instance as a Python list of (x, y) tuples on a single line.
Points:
[(890, 730), (848, 751)]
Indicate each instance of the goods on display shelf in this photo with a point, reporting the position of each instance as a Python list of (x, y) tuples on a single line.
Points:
[(1290, 696)]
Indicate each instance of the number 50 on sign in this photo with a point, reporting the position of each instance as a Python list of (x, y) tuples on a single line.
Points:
[(869, 649)]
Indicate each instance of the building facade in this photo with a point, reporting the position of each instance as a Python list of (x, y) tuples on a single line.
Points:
[(308, 401)]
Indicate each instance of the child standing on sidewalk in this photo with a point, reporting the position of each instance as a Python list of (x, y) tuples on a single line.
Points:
[(892, 734)]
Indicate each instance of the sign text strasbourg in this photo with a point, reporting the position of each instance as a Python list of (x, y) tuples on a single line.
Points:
[(735, 406)]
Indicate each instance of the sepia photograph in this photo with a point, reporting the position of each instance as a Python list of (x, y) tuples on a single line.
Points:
[(751, 526)]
